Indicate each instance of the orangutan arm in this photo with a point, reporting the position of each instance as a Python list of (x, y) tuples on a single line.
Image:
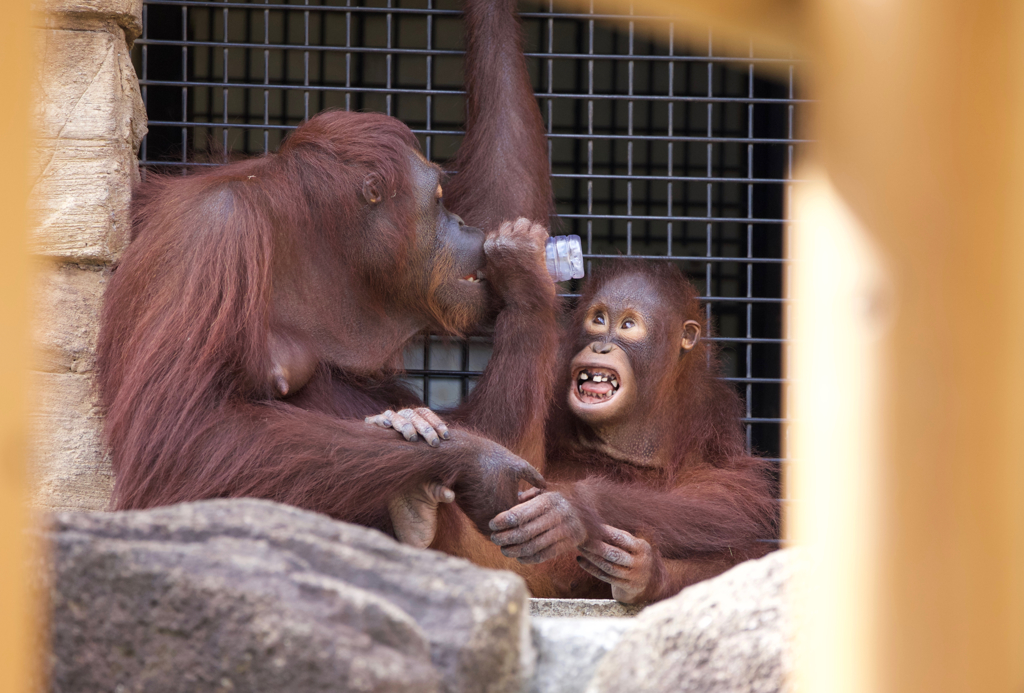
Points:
[(712, 511)]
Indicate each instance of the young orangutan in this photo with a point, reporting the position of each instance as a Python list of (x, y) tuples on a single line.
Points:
[(650, 488)]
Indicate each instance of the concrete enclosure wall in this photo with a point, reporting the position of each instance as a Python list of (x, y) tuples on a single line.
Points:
[(90, 120)]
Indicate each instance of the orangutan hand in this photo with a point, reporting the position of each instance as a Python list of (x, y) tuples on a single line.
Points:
[(410, 422), (414, 513), (541, 527), (516, 265), (627, 563)]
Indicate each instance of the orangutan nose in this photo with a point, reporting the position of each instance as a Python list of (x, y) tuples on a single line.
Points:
[(602, 347)]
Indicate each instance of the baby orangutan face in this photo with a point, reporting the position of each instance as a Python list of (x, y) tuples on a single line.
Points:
[(623, 346)]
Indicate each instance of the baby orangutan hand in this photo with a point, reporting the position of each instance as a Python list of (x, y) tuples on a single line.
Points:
[(627, 563), (414, 513), (410, 422), (544, 525)]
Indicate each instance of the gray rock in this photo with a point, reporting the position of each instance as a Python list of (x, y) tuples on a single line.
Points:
[(569, 650), (731, 633), (256, 596)]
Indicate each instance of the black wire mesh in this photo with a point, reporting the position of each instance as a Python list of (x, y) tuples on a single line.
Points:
[(659, 150)]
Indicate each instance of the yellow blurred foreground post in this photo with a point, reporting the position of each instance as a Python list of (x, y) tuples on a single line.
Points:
[(16, 612), (921, 127), (843, 308), (908, 313)]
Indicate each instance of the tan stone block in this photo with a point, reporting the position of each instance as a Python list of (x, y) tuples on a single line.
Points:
[(70, 469), (126, 13), (88, 88), (91, 120), (66, 320), (81, 201)]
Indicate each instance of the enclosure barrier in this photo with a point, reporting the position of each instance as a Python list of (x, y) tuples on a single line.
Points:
[(910, 483), (18, 627), (908, 309)]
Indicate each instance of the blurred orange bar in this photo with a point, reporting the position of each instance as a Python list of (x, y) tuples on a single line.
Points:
[(17, 626), (908, 318)]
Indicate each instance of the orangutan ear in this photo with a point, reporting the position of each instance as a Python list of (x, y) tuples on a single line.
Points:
[(691, 334), (372, 187)]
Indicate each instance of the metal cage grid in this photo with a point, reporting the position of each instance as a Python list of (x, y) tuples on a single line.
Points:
[(659, 150)]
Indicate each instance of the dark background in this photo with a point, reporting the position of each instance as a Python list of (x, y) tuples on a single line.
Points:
[(658, 148)]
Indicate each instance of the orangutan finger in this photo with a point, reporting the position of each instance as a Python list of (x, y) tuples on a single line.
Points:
[(601, 575), (553, 551), (613, 569), (527, 553), (535, 545), (623, 539), (529, 494), (528, 473), (435, 421), (405, 427), (527, 532), (608, 552), (543, 548), (424, 429), (439, 492), (381, 420), (520, 514)]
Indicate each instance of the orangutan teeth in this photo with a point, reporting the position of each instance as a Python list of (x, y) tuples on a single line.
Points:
[(598, 377)]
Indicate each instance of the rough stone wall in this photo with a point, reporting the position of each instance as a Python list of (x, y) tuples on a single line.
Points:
[(90, 120)]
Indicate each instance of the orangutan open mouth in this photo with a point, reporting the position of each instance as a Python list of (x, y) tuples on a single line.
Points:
[(596, 385), (475, 277)]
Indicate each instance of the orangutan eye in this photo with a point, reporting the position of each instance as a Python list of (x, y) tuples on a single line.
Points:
[(598, 319), (627, 324)]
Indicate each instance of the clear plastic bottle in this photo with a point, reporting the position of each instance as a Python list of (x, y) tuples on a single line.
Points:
[(565, 258)]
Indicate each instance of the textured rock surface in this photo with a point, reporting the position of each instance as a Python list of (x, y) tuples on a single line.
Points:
[(68, 299), (599, 608), (91, 120), (249, 595), (69, 469), (569, 650), (731, 633), (81, 13)]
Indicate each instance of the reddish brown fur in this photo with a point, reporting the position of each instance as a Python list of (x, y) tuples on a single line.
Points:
[(713, 505), (502, 173), (503, 169), (183, 352)]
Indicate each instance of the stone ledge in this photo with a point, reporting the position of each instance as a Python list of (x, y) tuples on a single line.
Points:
[(576, 608)]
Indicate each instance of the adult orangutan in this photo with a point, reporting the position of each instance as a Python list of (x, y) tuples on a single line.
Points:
[(502, 173), (650, 488), (262, 307)]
